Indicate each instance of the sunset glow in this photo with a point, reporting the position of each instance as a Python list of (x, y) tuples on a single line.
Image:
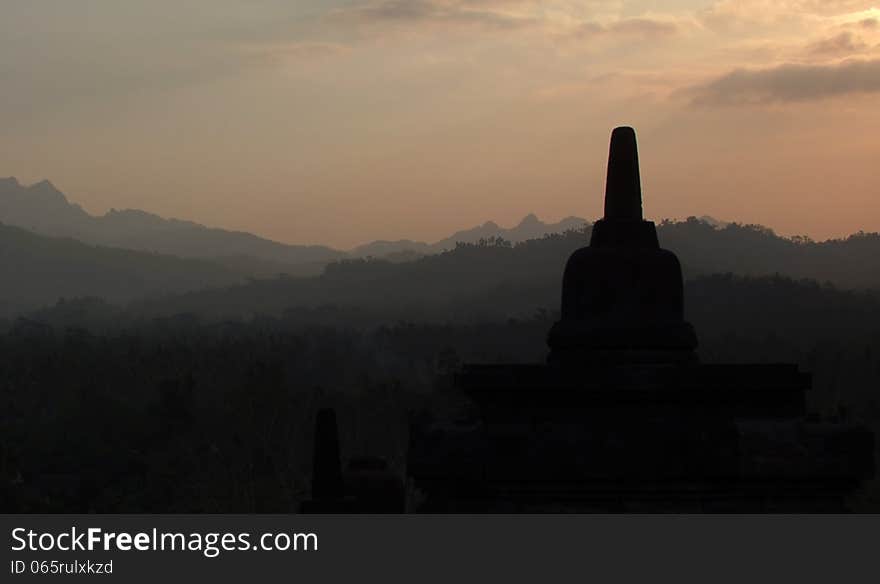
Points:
[(343, 122)]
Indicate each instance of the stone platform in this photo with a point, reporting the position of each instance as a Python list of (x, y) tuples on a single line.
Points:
[(679, 438)]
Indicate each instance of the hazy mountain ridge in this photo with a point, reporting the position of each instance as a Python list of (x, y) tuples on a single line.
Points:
[(495, 279), (848, 263), (529, 228), (51, 248), (484, 271), (38, 270), (45, 210)]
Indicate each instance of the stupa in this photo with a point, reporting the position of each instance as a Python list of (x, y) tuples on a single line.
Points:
[(622, 296), (623, 417)]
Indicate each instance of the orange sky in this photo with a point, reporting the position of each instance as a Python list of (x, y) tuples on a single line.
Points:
[(343, 122)]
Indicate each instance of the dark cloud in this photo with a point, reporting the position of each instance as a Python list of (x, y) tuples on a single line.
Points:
[(869, 23), (789, 83), (418, 12), (489, 14), (843, 44), (399, 10)]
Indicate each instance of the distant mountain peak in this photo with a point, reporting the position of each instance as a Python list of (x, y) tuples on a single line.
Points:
[(530, 227), (44, 185), (9, 182), (529, 220), (573, 219), (716, 223), (48, 191)]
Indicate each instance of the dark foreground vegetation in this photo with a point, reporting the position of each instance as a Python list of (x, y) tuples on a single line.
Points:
[(188, 414)]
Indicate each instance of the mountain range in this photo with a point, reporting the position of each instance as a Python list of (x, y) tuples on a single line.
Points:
[(529, 228), (51, 248), (43, 209), (37, 270)]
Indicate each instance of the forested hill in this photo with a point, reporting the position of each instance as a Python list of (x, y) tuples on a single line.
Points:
[(495, 279), (38, 270), (490, 279), (756, 250)]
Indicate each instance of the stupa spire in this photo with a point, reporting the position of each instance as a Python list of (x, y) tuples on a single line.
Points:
[(623, 189)]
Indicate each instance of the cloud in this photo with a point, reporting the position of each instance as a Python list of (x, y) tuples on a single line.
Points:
[(834, 7), (843, 44), (550, 18), (789, 83), (644, 27), (725, 14), (639, 27), (486, 13)]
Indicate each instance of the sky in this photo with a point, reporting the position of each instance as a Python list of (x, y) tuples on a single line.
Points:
[(342, 122)]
